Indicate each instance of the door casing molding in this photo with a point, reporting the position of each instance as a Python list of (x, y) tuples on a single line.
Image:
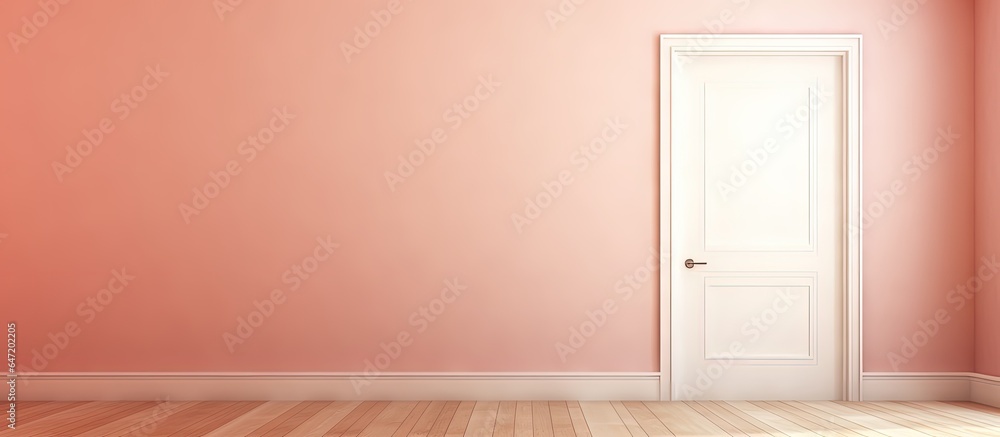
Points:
[(672, 48)]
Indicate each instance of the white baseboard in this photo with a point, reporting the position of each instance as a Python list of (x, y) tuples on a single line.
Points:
[(638, 386), (931, 386), (985, 390), (337, 386), (907, 386)]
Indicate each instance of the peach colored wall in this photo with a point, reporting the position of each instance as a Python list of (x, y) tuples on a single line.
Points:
[(987, 179), (556, 83)]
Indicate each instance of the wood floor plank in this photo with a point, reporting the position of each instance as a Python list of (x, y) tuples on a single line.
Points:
[(633, 426), (985, 412), (562, 423), (723, 415), (810, 421), (444, 420), (85, 420), (825, 417), (36, 407), (804, 421), (933, 421), (428, 419), (195, 422), (299, 417), (28, 412), (68, 419), (898, 419), (603, 419), (505, 419), (579, 420), (770, 430), (276, 421), (541, 419), (205, 425), (789, 424), (964, 412), (366, 419), (681, 419), (460, 421), (957, 412), (515, 419), (714, 418), (344, 424), (220, 419), (943, 419), (124, 409), (650, 424), (522, 419), (323, 420), (483, 420), (411, 419), (152, 420), (389, 420), (136, 420), (837, 420), (868, 421), (28, 405), (189, 417), (61, 418), (773, 420), (977, 406), (253, 419), (35, 425)]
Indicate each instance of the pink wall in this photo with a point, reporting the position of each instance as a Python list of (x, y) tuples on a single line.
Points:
[(987, 180), (324, 174)]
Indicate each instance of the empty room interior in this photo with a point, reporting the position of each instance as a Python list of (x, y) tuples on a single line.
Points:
[(548, 218)]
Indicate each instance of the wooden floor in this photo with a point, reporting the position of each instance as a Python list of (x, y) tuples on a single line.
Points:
[(505, 419)]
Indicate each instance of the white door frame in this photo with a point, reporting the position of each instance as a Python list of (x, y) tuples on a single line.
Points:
[(678, 49)]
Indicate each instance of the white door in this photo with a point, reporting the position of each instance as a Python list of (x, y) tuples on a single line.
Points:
[(757, 193)]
